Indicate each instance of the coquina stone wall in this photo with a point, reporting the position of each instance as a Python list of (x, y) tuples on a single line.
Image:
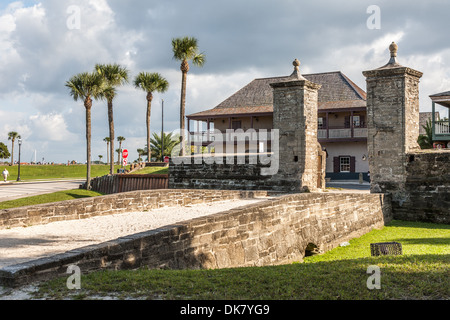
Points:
[(427, 188), (113, 204), (275, 231), (227, 173), (418, 181)]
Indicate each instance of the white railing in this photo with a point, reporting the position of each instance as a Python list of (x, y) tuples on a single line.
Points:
[(340, 133), (335, 133), (322, 134), (360, 132), (441, 127)]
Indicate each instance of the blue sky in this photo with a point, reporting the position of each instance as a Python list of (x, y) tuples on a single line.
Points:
[(242, 40)]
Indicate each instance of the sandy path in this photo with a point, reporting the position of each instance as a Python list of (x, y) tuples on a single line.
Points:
[(19, 245)]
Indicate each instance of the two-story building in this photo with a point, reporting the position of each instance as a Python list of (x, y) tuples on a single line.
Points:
[(342, 127), (441, 127)]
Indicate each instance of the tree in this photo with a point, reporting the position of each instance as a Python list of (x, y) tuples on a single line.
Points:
[(150, 82), (118, 150), (114, 75), (120, 139), (169, 143), (185, 49), (86, 86), (426, 141), (4, 153), (13, 136), (140, 153), (107, 140)]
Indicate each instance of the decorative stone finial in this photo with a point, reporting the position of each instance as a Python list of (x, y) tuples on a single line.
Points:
[(393, 48), (296, 73), (393, 63)]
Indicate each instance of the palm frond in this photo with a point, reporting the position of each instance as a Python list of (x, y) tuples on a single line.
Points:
[(185, 48), (114, 74), (85, 85), (150, 82), (199, 60)]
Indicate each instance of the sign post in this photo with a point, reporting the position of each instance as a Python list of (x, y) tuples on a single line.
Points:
[(124, 157)]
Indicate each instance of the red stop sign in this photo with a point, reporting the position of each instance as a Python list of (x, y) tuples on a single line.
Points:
[(125, 153)]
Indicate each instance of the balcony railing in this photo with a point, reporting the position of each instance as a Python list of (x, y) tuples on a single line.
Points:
[(255, 135), (342, 133), (442, 127), (258, 135)]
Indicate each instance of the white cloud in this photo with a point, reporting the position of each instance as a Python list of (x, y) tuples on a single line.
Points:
[(50, 127)]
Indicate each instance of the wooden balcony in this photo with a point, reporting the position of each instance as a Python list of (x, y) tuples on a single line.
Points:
[(332, 134)]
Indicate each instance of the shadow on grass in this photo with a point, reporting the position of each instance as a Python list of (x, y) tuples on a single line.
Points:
[(78, 196), (427, 241), (415, 277), (420, 225)]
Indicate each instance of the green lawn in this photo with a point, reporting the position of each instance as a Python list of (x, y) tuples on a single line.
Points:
[(422, 272), (49, 197), (152, 170), (38, 172), (60, 172)]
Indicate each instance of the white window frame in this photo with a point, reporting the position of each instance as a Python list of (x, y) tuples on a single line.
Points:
[(356, 121), (320, 123), (344, 162)]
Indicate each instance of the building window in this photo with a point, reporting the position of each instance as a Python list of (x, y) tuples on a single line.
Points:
[(344, 164), (356, 121), (236, 125), (320, 123)]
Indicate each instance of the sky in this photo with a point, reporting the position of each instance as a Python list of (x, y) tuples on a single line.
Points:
[(44, 43)]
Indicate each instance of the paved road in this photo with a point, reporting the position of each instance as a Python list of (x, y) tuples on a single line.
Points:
[(348, 186), (15, 190)]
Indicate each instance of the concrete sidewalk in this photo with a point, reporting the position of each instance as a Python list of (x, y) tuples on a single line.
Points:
[(349, 186), (11, 190)]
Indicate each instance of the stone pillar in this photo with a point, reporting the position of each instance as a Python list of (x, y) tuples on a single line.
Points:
[(393, 124), (295, 103)]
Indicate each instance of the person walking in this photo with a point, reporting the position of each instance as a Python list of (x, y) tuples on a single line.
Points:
[(5, 174)]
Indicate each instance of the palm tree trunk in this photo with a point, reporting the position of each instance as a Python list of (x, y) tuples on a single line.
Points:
[(120, 153), (88, 105), (107, 152), (12, 152), (149, 110), (182, 112), (111, 136)]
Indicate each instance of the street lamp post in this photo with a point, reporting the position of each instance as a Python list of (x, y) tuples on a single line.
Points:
[(19, 141), (162, 131)]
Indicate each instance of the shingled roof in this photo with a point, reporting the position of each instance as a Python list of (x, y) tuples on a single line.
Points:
[(442, 98), (337, 91)]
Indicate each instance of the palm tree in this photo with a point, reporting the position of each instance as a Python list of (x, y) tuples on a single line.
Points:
[(169, 143), (426, 141), (140, 153), (107, 140), (100, 158), (120, 139), (86, 86), (150, 82), (13, 136), (118, 150), (114, 76), (185, 49)]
